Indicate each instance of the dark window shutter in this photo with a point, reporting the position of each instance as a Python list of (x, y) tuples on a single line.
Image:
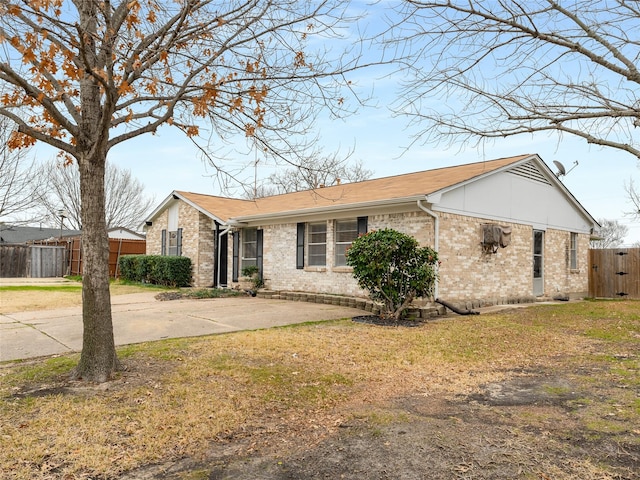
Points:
[(163, 243), (300, 247), (235, 267), (362, 225), (259, 237), (179, 243)]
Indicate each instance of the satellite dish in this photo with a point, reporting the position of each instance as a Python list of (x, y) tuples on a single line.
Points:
[(561, 170)]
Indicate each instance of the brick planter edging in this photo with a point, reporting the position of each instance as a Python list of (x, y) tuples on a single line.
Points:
[(418, 313)]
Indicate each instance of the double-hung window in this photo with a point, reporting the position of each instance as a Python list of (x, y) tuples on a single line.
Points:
[(172, 243), (573, 252), (346, 231), (317, 244), (172, 236), (249, 247)]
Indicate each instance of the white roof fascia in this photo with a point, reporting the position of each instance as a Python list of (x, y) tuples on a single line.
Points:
[(200, 209), (436, 196), (324, 209), (157, 210), (177, 195), (556, 181)]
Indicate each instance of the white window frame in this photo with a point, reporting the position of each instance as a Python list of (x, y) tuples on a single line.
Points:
[(573, 251), (245, 244), (317, 244), (172, 243), (345, 232)]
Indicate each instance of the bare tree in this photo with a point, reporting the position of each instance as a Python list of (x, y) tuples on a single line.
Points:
[(633, 196), (483, 70), (86, 75), (611, 233), (125, 203), (316, 172), (18, 184)]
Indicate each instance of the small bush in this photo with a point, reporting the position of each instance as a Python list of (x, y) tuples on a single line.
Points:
[(393, 268), (253, 272), (156, 269)]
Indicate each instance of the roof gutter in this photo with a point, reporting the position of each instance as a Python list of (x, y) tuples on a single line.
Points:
[(244, 219), (436, 242)]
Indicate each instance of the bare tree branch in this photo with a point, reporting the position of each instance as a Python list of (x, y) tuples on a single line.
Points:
[(633, 196), (125, 201), (18, 184), (314, 174), (483, 70), (611, 234)]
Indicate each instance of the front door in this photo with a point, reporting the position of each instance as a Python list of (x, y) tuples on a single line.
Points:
[(538, 263), (220, 265)]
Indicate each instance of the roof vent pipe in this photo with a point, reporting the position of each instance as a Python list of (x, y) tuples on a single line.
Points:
[(436, 242)]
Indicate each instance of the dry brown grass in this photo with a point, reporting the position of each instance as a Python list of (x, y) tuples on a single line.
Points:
[(180, 396), (46, 297)]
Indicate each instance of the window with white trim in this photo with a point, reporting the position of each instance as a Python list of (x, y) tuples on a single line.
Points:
[(172, 243), (317, 244), (249, 247), (573, 252), (346, 231)]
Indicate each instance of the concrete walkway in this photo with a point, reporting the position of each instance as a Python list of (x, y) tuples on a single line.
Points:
[(140, 317)]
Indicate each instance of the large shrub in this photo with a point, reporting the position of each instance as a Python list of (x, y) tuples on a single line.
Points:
[(393, 268), (156, 269)]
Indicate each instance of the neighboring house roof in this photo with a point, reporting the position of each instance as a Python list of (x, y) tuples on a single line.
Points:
[(14, 234), (124, 233), (381, 191)]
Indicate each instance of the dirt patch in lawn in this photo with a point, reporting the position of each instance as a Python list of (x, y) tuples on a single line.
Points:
[(522, 427)]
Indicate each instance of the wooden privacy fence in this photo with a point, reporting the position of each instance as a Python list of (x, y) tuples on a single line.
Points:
[(35, 261), (117, 248), (14, 261), (614, 273)]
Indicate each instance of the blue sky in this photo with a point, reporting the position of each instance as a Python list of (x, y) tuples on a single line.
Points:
[(168, 161)]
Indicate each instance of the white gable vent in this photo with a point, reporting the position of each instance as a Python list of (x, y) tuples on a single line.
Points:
[(530, 171)]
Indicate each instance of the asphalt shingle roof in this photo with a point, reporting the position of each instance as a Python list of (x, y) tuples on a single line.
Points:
[(391, 188), (14, 234)]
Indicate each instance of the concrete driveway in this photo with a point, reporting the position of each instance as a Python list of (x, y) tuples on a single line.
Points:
[(140, 317)]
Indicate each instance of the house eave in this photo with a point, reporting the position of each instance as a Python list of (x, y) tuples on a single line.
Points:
[(173, 196), (435, 197), (293, 214)]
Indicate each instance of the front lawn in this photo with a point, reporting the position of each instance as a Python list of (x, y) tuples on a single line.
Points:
[(547, 391)]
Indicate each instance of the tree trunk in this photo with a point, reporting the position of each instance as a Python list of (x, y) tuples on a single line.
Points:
[(98, 360)]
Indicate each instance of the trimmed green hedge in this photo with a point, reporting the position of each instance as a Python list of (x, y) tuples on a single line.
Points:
[(156, 269)]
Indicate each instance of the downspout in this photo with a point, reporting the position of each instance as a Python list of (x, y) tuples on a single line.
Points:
[(436, 242), (224, 232)]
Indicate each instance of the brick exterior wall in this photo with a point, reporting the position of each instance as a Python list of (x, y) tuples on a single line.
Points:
[(197, 241), (154, 233), (279, 255), (466, 273), (557, 275)]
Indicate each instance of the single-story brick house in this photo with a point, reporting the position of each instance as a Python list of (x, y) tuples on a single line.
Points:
[(504, 229)]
